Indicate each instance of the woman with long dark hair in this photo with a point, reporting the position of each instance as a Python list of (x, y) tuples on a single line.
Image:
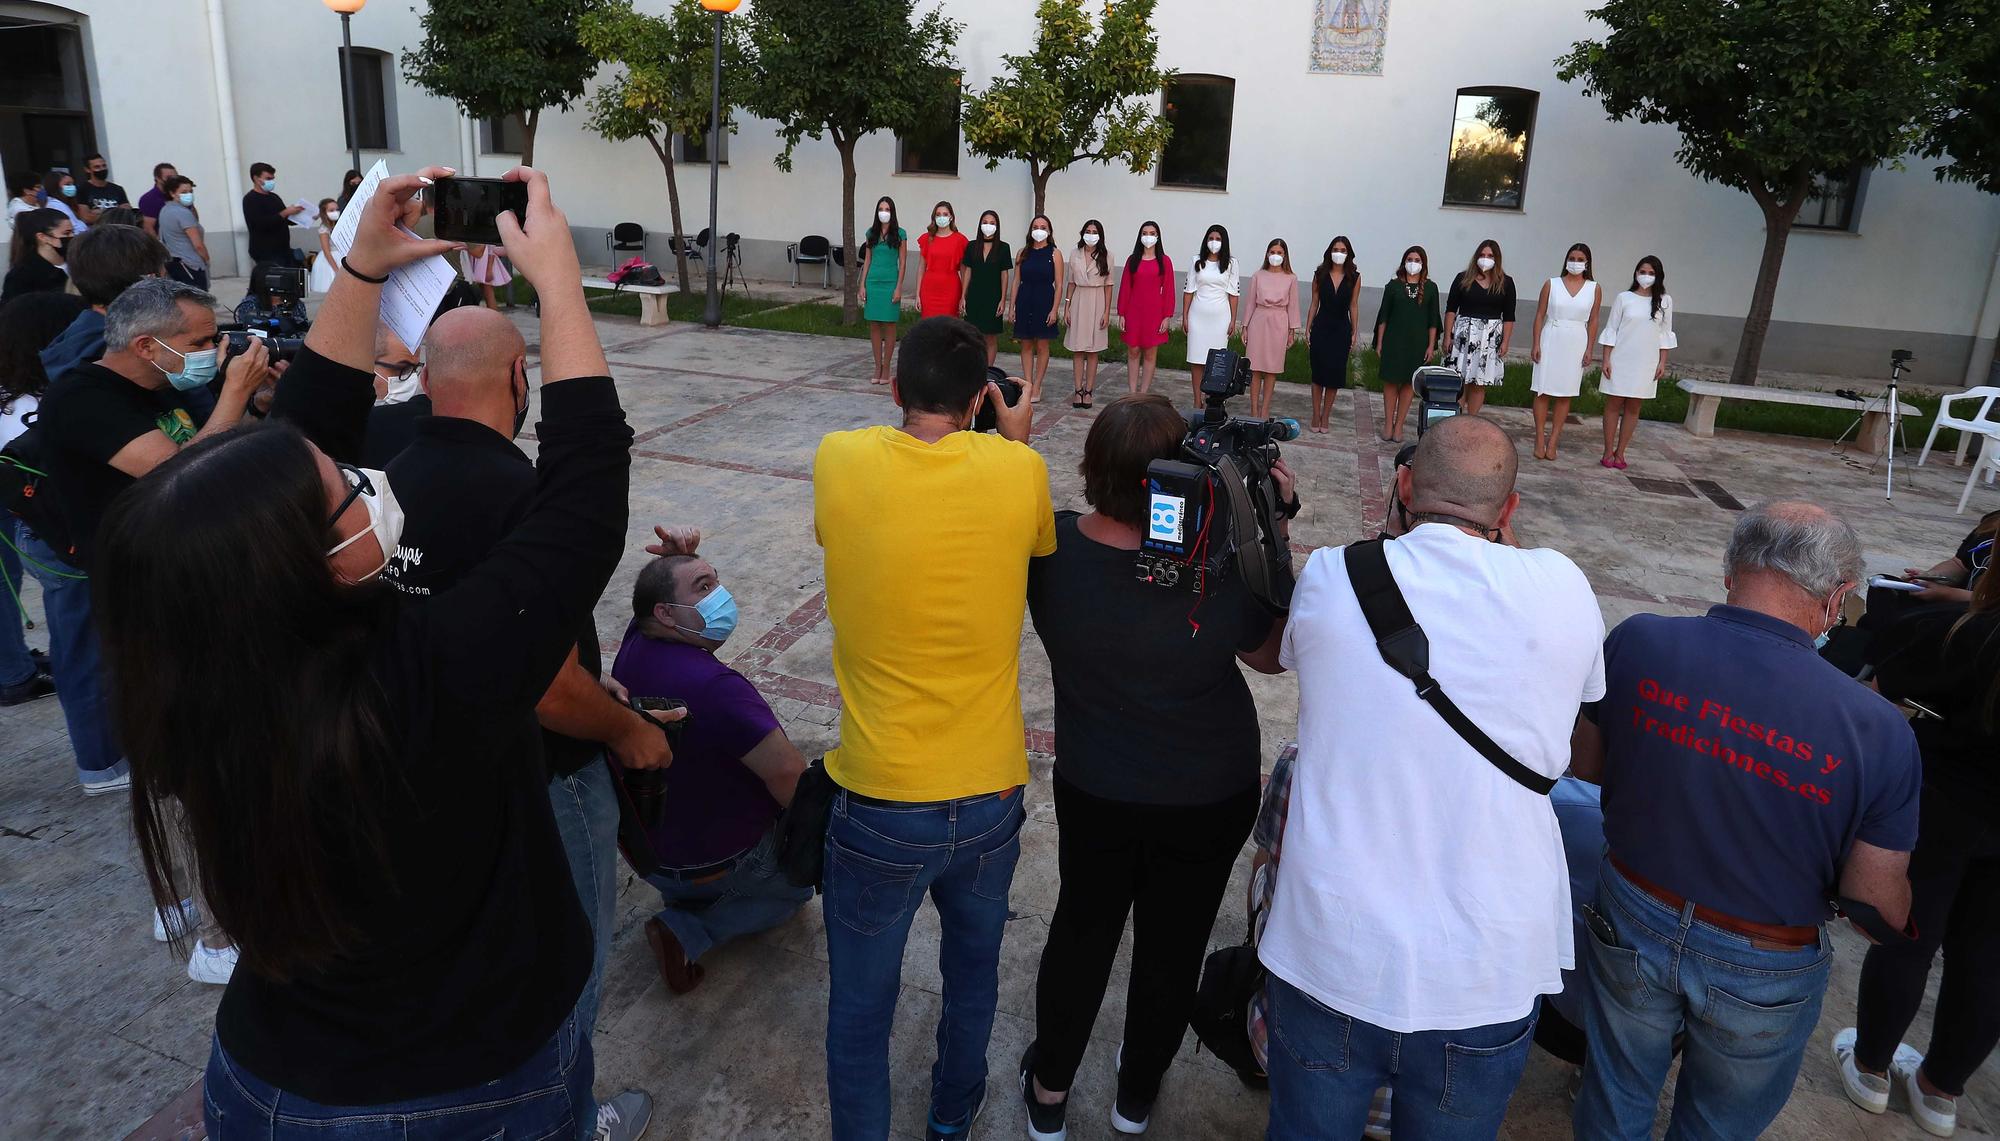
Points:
[(358, 781), (1406, 335), (1943, 661), (41, 240), (1038, 273), (1330, 324), (1565, 329), (882, 250), (1272, 326), (1636, 335), (1208, 304), (1087, 310), (943, 248), (1145, 305), (1479, 322), (986, 282)]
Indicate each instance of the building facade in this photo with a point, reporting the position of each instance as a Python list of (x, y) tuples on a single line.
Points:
[(1395, 122)]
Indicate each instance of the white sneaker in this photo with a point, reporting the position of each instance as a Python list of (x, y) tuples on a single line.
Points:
[(624, 1117), (208, 965), (1865, 1090), (119, 783), (1936, 1113), (189, 919)]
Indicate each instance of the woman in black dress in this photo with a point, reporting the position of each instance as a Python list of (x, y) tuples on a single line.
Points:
[(1336, 305)]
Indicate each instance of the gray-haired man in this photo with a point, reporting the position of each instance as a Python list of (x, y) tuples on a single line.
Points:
[(1746, 783)]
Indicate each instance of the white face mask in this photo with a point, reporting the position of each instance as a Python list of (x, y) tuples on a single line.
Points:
[(882, 216), (1339, 257), (385, 522), (1576, 266), (943, 221), (1090, 239), (333, 215), (1149, 240), (1413, 267), (1645, 280), (1039, 234), (1276, 260), (1214, 246), (1484, 264), (988, 229)]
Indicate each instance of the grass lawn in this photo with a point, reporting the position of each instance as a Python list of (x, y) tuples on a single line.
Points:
[(1669, 406)]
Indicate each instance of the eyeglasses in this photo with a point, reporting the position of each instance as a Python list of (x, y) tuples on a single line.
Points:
[(390, 370), (357, 485)]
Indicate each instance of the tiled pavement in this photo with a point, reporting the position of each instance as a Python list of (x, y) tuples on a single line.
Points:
[(100, 1028)]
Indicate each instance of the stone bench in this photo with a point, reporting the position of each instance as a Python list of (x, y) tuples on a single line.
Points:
[(652, 298), (1706, 396)]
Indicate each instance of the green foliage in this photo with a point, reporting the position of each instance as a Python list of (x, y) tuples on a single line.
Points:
[(1084, 93), (1965, 128), (503, 57), (663, 87)]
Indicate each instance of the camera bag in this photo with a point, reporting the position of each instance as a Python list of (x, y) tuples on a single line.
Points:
[(1404, 646), (25, 493), (802, 829)]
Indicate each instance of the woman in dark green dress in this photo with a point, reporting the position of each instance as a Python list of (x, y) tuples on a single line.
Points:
[(1406, 335), (987, 281)]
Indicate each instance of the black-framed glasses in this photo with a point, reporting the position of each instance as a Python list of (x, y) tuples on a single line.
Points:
[(390, 370), (357, 485)]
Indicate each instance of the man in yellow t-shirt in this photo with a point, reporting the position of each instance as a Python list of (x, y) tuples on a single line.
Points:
[(928, 529)]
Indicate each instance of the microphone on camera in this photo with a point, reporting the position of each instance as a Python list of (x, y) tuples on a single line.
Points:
[(1288, 429)]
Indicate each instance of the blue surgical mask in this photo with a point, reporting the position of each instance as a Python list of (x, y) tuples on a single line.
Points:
[(1820, 642), (270, 184), (197, 368), (69, 190), (718, 615), (187, 199)]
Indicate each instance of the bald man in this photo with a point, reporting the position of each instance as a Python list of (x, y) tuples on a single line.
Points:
[(1423, 906)]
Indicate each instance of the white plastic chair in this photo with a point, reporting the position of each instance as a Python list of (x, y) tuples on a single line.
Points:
[(1978, 425), (1987, 464)]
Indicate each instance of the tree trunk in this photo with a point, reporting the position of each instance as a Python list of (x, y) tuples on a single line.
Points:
[(849, 283), (1040, 174), (673, 207), (528, 122), (1778, 218)]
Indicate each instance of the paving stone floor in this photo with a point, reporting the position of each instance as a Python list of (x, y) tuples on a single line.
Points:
[(100, 1028)]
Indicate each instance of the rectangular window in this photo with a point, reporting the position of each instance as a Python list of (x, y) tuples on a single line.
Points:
[(373, 80), (694, 148), (1201, 108), (1490, 131), (506, 135), (45, 119), (933, 147), (1834, 203)]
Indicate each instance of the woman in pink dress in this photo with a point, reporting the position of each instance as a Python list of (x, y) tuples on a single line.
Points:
[(484, 269), (1145, 306), (1273, 325)]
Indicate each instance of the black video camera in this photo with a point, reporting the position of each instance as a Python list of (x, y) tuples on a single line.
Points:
[(1215, 511), (987, 418), (237, 336)]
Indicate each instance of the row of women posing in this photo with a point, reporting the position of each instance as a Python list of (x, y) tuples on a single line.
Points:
[(1477, 330)]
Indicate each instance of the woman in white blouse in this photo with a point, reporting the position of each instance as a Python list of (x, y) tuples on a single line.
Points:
[(1638, 334), (1565, 331), (1208, 307)]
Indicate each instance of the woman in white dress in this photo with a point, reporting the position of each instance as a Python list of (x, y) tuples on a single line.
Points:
[(321, 279), (1565, 330), (1638, 335), (1208, 307)]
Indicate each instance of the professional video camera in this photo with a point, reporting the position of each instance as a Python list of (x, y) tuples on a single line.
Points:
[(274, 311), (1215, 511)]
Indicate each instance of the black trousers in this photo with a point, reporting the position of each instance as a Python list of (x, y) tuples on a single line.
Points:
[(1955, 902), (1167, 867)]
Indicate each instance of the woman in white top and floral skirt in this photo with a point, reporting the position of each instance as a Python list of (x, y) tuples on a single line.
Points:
[(1638, 334), (1208, 307), (1479, 323), (1565, 330)]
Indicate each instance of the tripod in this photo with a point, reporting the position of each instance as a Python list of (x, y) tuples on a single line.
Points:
[(1890, 402)]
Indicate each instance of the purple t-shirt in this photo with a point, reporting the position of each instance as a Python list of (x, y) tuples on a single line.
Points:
[(715, 806), (151, 202)]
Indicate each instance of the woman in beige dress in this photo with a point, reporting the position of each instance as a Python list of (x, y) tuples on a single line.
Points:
[(1087, 311)]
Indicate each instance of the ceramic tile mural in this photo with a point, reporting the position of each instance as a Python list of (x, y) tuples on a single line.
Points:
[(1349, 36)]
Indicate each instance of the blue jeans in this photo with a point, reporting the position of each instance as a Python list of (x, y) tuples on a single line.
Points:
[(74, 658), (1325, 1066), (586, 811), (1748, 1012), (880, 860), (546, 1098), (748, 898), (16, 666)]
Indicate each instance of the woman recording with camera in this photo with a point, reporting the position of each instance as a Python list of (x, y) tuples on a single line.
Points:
[(1157, 766), (359, 781)]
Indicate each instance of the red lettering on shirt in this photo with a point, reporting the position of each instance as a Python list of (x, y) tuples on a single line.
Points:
[(1723, 718)]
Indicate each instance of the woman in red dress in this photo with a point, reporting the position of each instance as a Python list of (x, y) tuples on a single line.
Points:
[(943, 249), (1145, 306)]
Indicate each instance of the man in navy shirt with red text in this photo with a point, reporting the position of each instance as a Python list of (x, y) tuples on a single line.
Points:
[(1746, 783)]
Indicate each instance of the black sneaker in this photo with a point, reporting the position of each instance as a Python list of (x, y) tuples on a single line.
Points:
[(1130, 1112), (935, 1130), (43, 662), (1045, 1122), (38, 685)]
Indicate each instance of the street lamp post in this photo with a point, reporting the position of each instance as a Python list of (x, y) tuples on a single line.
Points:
[(712, 315), (347, 9)]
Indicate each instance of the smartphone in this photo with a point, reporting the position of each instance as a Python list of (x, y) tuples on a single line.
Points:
[(468, 209)]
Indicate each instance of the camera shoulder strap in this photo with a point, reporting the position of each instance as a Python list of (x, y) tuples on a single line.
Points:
[(1403, 645)]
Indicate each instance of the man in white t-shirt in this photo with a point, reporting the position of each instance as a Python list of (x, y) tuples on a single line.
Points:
[(1424, 904)]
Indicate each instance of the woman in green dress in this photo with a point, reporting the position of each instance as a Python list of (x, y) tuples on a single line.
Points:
[(882, 251), (986, 282), (1406, 335)]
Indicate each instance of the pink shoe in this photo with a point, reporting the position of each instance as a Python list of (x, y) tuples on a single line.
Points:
[(1606, 462), (1619, 463)]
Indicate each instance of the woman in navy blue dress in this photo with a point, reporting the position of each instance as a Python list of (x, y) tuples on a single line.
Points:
[(1039, 284)]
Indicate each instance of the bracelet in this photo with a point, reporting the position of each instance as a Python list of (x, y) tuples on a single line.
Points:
[(364, 277)]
